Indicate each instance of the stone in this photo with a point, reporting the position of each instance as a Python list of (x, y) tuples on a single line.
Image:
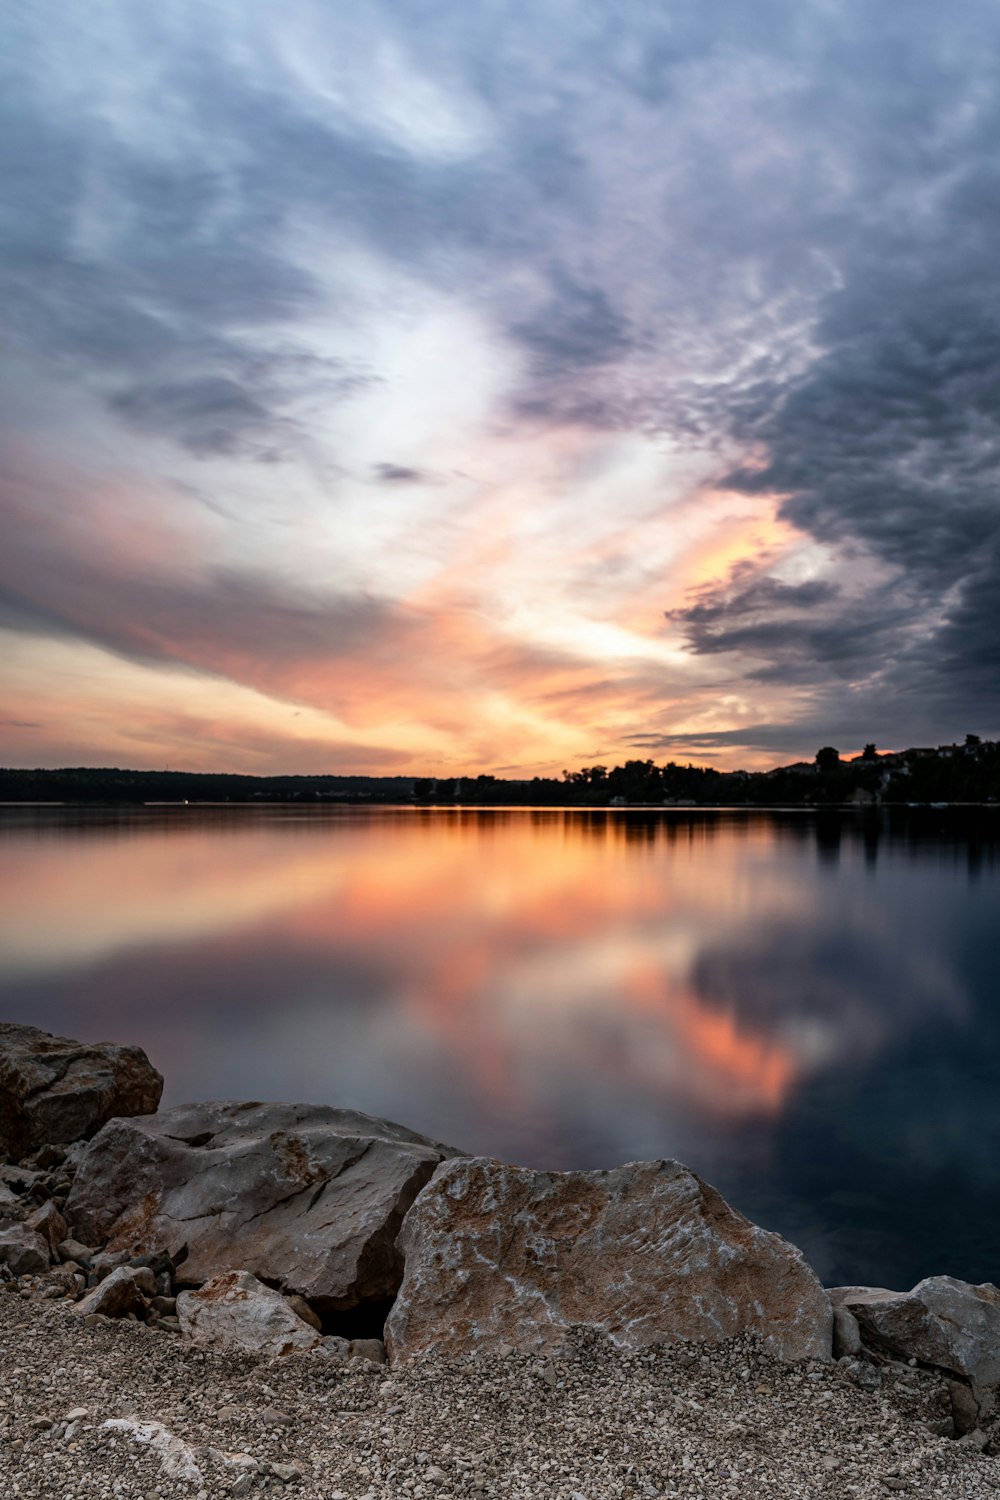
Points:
[(272, 1416), (645, 1253), (53, 1089), (306, 1197), (287, 1473), (300, 1306), (944, 1322), (119, 1294), (49, 1222), (235, 1311), (964, 1407), (334, 1347), (846, 1333), (372, 1350), (24, 1251), (102, 1264), (72, 1250)]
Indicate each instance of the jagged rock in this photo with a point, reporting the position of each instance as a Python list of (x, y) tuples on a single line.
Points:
[(942, 1321), (235, 1311), (53, 1089), (120, 1293), (309, 1198), (49, 1222), (646, 1252), (24, 1251)]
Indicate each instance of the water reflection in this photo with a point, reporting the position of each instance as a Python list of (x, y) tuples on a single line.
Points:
[(744, 991)]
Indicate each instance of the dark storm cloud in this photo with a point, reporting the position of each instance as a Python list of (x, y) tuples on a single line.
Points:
[(807, 632)]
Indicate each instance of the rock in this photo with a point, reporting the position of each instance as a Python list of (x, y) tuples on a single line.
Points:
[(308, 1198), (235, 1311), (846, 1333), (24, 1250), (334, 1347), (646, 1252), (103, 1263), (53, 1089), (272, 1416), (49, 1222), (371, 1349), (119, 1294), (144, 1280), (943, 1322), (287, 1473), (18, 1177), (300, 1306), (964, 1407), (72, 1250)]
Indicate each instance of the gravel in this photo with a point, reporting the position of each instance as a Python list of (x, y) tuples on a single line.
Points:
[(120, 1410)]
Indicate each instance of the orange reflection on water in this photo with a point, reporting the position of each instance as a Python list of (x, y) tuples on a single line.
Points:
[(503, 944)]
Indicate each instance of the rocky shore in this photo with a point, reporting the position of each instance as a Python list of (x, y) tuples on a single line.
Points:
[(236, 1298)]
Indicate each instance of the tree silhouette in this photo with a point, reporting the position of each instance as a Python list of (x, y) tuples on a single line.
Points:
[(827, 759)]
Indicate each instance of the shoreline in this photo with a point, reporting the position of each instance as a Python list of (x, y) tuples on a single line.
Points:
[(614, 1335)]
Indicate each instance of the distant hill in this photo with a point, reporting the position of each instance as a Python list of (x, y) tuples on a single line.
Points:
[(968, 772)]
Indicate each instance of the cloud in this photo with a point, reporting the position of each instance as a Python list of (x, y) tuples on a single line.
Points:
[(400, 474), (767, 238)]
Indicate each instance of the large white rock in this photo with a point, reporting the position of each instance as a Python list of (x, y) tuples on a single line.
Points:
[(942, 1321), (235, 1311), (500, 1255), (308, 1198)]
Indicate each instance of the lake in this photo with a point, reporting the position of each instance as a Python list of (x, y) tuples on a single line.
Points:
[(802, 1007)]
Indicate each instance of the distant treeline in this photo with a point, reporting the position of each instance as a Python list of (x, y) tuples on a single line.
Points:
[(969, 772)]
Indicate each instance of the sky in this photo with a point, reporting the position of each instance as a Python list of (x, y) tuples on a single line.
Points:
[(443, 388)]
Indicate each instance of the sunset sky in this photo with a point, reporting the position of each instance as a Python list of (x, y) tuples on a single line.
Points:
[(443, 387)]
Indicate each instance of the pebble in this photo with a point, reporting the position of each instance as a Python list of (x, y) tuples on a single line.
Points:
[(274, 1417), (723, 1424)]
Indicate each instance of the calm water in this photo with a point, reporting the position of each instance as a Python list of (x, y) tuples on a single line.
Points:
[(805, 1009)]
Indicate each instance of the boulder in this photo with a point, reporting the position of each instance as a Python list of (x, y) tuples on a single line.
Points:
[(236, 1312), (943, 1322), (53, 1089), (119, 1294), (48, 1221), (306, 1197), (24, 1251), (499, 1255)]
